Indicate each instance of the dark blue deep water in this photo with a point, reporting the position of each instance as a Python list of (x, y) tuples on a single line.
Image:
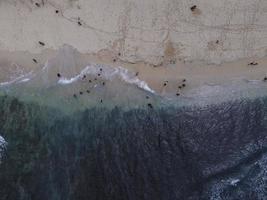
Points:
[(215, 152)]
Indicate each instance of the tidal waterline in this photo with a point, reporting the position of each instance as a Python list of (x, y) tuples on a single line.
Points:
[(138, 153), (101, 132)]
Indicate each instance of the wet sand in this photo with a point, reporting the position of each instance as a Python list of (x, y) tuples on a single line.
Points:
[(165, 79)]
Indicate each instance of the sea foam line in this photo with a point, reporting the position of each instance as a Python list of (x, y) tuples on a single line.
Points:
[(20, 79), (108, 73)]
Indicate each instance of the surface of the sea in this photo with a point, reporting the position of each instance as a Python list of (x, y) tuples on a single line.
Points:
[(105, 134)]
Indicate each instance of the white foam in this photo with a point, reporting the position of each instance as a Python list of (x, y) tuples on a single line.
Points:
[(252, 81), (3, 145), (129, 78), (65, 81), (234, 182), (24, 80), (2, 141), (12, 81), (19, 79), (108, 73)]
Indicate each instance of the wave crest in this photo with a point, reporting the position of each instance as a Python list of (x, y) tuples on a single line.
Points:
[(108, 73)]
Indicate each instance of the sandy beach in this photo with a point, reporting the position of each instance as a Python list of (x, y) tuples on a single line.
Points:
[(175, 47)]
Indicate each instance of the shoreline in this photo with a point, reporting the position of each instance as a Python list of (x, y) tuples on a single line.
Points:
[(204, 85), (163, 79)]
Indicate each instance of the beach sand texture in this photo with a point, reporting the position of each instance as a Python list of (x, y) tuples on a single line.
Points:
[(207, 43)]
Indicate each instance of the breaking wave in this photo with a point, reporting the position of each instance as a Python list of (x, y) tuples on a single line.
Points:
[(108, 73), (3, 144)]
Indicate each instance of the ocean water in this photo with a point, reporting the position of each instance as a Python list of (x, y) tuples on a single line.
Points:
[(216, 152), (122, 140)]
